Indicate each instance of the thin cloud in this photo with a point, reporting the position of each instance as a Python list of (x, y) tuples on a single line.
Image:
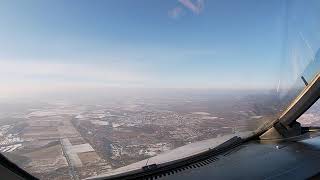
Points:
[(196, 7), (19, 71), (24, 79), (176, 12)]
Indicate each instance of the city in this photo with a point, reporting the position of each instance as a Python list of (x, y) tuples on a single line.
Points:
[(62, 140)]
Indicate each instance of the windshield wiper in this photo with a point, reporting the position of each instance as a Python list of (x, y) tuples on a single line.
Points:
[(197, 160)]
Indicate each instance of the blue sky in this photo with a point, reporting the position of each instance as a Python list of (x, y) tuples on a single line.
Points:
[(141, 43)]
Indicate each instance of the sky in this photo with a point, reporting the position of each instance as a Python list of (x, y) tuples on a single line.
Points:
[(57, 45)]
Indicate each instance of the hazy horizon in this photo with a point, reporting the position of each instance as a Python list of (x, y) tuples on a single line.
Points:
[(54, 46)]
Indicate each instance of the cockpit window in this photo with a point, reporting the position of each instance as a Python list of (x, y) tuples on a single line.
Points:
[(91, 86)]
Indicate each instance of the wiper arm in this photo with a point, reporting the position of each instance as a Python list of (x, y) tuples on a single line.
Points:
[(180, 164)]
